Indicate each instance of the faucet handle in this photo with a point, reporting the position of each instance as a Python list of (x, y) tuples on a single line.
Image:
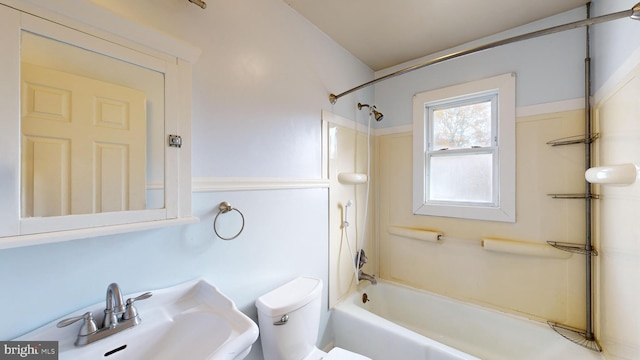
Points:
[(140, 297), (88, 326), (130, 311)]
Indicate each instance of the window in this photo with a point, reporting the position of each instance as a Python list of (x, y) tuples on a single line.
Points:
[(464, 150)]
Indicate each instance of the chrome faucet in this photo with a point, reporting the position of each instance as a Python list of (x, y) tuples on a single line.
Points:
[(114, 306), (117, 317), (363, 276), (361, 259)]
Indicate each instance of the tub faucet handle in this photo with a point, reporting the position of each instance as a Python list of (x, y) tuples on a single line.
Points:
[(361, 259)]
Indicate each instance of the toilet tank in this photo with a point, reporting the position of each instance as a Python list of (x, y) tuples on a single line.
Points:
[(289, 318)]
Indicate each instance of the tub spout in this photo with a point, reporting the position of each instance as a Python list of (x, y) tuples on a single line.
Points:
[(363, 276)]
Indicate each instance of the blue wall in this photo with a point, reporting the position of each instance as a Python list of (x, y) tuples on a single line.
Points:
[(548, 69), (613, 42)]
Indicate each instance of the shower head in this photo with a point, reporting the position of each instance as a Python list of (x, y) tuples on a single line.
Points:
[(635, 12), (377, 114), (372, 110)]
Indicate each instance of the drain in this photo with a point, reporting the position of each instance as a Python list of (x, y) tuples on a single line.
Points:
[(365, 298), (109, 353)]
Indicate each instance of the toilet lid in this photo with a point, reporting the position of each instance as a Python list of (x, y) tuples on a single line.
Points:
[(290, 296), (342, 354)]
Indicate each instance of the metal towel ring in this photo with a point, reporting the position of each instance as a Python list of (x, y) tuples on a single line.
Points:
[(224, 208)]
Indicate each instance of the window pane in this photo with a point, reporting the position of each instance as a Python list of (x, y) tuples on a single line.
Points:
[(462, 126), (462, 178)]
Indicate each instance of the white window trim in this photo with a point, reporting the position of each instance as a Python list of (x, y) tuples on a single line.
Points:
[(505, 210)]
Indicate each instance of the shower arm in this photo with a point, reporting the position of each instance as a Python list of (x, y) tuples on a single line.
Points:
[(633, 13)]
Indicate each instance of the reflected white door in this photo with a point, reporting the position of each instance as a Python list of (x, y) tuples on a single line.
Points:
[(83, 145)]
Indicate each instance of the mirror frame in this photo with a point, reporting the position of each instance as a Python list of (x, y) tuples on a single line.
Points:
[(90, 27)]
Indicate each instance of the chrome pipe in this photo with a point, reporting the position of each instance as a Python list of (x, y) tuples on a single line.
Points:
[(633, 13), (588, 127), (200, 3)]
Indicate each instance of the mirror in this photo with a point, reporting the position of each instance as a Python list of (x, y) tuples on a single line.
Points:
[(59, 186), (92, 131)]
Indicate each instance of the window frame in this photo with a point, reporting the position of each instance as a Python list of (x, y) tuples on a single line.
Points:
[(502, 207)]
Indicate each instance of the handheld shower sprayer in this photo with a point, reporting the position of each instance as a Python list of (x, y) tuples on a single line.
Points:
[(372, 110), (345, 223)]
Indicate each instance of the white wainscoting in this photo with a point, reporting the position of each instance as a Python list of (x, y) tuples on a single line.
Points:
[(213, 184)]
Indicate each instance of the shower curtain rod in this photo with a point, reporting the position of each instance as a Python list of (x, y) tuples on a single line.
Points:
[(633, 13)]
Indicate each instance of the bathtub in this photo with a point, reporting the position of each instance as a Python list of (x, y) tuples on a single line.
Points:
[(400, 322)]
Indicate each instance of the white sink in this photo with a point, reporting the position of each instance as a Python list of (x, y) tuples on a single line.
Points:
[(193, 320)]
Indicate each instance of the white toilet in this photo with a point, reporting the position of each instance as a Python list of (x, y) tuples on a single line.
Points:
[(289, 318)]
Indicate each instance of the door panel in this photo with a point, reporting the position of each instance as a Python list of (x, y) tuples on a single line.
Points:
[(100, 131)]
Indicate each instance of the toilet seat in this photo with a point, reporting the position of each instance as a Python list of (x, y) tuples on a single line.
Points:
[(342, 354)]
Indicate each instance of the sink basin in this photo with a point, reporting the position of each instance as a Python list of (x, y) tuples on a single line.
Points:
[(193, 320)]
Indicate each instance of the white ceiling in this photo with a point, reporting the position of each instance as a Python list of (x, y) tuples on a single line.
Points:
[(383, 33)]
